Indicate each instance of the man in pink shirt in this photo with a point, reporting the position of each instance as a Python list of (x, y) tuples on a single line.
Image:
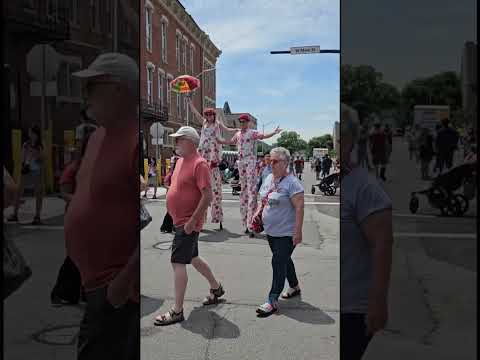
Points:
[(188, 198), (101, 226)]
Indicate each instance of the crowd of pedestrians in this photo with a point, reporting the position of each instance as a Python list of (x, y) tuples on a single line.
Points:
[(438, 147)]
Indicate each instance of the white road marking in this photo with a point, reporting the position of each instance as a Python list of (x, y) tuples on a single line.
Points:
[(237, 201), (435, 235), (42, 227), (430, 216)]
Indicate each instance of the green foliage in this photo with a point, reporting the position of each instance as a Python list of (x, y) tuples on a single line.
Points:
[(362, 87), (324, 141), (440, 89), (292, 141)]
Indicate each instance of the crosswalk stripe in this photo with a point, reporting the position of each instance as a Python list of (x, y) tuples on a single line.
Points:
[(435, 235)]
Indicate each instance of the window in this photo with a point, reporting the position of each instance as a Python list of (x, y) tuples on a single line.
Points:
[(75, 12), (179, 108), (164, 42), (69, 87), (148, 28), (95, 15), (184, 55), (184, 110), (192, 52), (52, 9), (177, 50), (169, 94), (187, 112), (108, 16), (160, 88), (168, 140), (149, 84)]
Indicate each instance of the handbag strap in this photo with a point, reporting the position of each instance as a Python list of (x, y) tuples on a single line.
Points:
[(273, 188)]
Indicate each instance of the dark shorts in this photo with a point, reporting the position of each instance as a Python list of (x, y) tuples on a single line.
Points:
[(106, 332), (353, 336), (184, 246), (379, 158)]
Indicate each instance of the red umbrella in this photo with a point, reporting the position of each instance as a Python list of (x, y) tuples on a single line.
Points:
[(184, 84)]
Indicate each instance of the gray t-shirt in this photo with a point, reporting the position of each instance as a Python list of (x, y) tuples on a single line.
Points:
[(279, 213), (362, 196)]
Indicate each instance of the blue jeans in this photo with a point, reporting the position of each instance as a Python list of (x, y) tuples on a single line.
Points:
[(282, 265)]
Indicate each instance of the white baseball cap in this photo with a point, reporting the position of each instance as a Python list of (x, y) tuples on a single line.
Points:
[(188, 132), (117, 65)]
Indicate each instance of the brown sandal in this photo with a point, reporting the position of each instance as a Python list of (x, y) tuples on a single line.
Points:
[(169, 318), (217, 293)]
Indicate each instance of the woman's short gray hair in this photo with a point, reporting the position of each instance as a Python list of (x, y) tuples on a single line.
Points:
[(349, 123), (282, 152)]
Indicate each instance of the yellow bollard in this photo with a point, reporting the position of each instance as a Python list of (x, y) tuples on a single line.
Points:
[(159, 171), (145, 169)]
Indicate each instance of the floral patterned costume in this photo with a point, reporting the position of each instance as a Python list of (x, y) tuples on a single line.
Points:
[(247, 167), (211, 150)]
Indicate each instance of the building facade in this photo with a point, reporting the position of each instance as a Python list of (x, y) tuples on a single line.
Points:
[(469, 79), (78, 31), (172, 44)]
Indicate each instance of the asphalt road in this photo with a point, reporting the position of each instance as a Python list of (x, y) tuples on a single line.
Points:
[(305, 328)]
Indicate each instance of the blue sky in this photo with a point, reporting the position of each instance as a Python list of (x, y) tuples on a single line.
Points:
[(300, 92), (416, 38)]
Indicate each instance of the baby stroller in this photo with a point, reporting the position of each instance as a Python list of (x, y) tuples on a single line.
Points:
[(235, 182), (329, 184), (441, 195)]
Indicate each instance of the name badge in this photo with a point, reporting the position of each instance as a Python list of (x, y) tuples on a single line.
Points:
[(274, 199)]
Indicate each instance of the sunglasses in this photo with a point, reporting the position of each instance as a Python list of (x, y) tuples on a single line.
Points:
[(275, 161), (243, 121)]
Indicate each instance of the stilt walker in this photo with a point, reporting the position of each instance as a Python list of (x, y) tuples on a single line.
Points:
[(211, 150), (245, 139)]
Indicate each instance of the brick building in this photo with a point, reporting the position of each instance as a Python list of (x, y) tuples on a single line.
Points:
[(172, 44), (78, 30)]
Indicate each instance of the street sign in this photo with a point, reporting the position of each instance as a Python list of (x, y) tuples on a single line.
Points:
[(305, 50), (156, 131), (35, 62)]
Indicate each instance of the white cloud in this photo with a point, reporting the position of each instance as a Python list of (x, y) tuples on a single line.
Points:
[(244, 26)]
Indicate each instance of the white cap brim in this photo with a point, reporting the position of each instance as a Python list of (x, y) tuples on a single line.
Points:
[(88, 73), (176, 135)]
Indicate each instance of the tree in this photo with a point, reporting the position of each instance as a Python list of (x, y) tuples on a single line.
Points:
[(291, 140), (362, 88), (440, 89), (266, 148), (324, 141)]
